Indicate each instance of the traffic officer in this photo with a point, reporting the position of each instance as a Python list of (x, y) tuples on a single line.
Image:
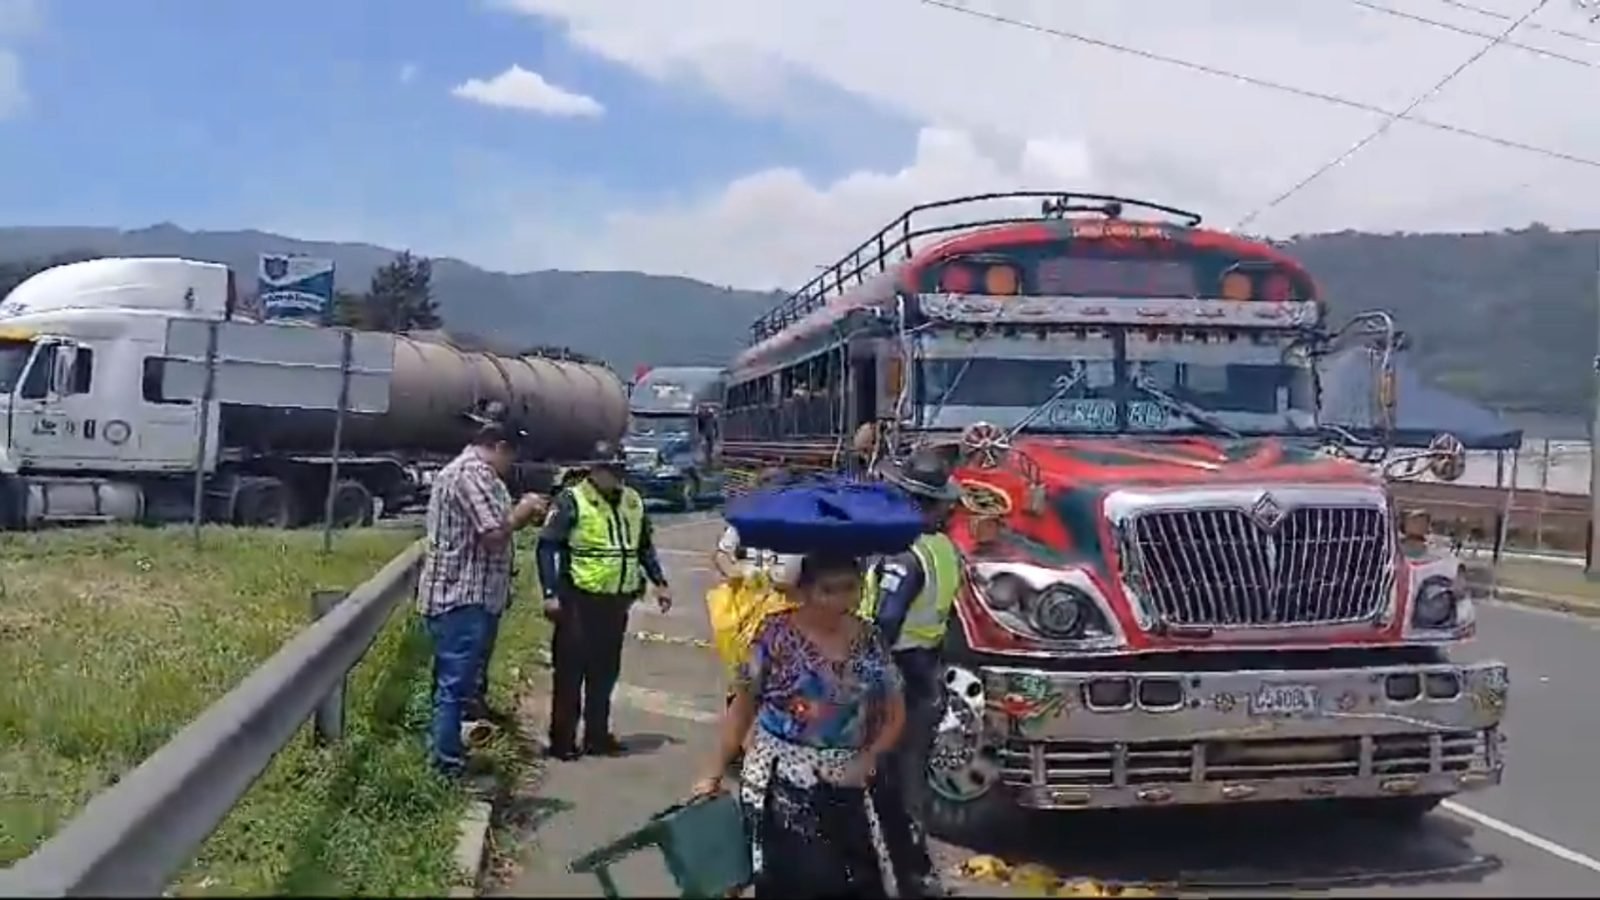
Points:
[(594, 556), (910, 597)]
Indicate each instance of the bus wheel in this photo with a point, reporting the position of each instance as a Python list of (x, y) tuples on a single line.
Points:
[(966, 802)]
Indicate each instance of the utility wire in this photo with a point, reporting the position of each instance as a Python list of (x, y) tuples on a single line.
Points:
[(1535, 26), (1388, 122), (1307, 93), (1470, 32)]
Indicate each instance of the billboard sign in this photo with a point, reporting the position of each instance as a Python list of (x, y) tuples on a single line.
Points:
[(295, 288)]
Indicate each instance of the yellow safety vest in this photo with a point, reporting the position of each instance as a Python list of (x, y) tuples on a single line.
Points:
[(929, 615), (603, 546)]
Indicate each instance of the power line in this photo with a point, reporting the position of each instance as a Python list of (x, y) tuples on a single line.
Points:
[(1470, 32), (1535, 26), (1307, 93), (1388, 122)]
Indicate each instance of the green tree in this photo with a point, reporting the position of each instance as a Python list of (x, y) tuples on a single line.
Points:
[(350, 310), (400, 297)]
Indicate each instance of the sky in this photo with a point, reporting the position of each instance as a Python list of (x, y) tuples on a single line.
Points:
[(748, 142)]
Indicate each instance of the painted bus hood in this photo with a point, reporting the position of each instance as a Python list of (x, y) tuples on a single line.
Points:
[(1068, 528)]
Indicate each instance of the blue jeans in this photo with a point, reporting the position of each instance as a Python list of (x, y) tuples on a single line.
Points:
[(459, 636), (481, 690)]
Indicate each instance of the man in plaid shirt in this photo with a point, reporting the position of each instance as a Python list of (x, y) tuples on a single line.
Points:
[(466, 576)]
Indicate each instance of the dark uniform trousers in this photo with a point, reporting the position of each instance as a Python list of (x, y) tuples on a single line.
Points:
[(900, 790), (587, 657)]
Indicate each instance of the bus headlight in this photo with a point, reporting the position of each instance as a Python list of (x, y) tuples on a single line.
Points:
[(1435, 604), (1060, 612), (1049, 604), (1007, 592)]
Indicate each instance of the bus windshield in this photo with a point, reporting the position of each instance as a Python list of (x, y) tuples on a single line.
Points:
[(1121, 380)]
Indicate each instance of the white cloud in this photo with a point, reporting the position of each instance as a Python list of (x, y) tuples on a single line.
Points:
[(408, 73), (20, 16), (775, 228), (518, 88), (13, 98), (1199, 141)]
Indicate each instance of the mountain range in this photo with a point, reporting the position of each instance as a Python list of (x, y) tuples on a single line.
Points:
[(1506, 318), (625, 318)]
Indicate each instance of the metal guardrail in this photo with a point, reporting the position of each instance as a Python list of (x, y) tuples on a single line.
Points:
[(132, 839)]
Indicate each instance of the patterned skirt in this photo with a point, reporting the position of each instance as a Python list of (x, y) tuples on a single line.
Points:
[(809, 835)]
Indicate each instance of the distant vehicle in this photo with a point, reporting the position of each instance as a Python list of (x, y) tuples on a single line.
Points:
[(673, 444), (94, 429)]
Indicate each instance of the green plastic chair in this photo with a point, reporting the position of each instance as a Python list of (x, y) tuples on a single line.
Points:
[(702, 842)]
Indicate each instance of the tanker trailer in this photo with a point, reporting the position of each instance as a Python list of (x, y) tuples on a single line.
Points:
[(91, 433), (561, 407)]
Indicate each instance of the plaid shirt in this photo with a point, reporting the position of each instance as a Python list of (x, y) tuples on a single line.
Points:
[(468, 500)]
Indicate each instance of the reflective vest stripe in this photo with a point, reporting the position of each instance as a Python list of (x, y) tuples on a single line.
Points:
[(603, 546)]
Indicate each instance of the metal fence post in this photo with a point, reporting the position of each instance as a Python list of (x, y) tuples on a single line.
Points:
[(328, 721)]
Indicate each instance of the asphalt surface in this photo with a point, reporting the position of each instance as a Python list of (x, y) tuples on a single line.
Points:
[(1537, 834)]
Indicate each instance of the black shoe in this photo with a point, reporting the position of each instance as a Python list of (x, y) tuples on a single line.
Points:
[(563, 752), (604, 745)]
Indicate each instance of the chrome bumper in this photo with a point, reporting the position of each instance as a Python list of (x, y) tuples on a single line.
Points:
[(1098, 740)]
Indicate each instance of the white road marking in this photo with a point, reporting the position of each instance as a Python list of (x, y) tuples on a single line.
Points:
[(1519, 834), (663, 703)]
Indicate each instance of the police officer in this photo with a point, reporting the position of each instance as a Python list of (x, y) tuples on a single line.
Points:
[(910, 597), (594, 555)]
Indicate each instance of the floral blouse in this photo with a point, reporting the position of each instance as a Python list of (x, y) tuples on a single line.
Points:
[(804, 697)]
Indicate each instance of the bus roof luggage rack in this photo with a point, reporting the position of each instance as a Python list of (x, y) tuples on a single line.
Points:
[(873, 255)]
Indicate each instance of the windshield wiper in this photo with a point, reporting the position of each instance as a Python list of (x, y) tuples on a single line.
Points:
[(1183, 408), (1063, 384)]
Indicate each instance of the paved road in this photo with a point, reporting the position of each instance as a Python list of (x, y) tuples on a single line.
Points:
[(1536, 835)]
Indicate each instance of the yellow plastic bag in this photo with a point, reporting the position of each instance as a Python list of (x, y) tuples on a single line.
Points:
[(737, 608)]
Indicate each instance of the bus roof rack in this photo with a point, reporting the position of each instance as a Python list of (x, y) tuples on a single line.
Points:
[(874, 254)]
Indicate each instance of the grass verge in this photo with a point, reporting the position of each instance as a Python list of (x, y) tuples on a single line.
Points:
[(1551, 585), (113, 639)]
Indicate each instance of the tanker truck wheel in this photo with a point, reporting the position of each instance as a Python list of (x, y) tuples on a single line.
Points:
[(352, 505), (265, 502)]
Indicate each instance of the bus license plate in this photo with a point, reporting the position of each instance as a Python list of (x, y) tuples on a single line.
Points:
[(1286, 700)]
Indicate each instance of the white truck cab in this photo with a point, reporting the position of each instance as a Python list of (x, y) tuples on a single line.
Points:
[(71, 340)]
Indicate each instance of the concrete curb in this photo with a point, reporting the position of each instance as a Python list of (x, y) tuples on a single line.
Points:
[(1573, 606), (472, 843)]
